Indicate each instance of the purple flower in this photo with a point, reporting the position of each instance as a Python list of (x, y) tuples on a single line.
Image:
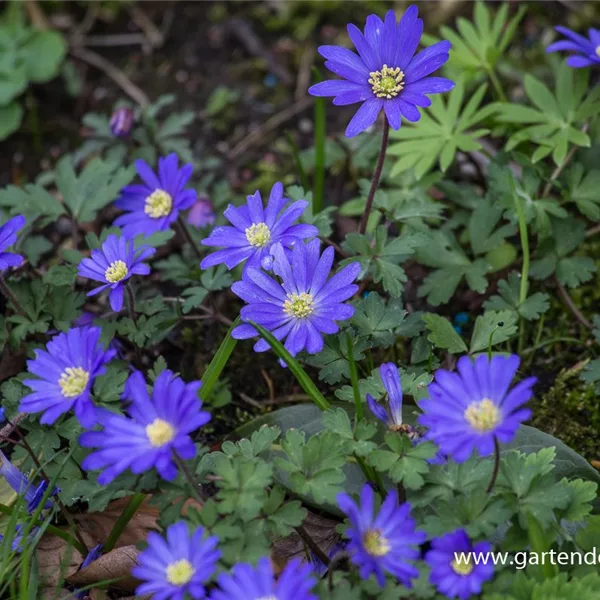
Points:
[(385, 74), (155, 205), (121, 122), (258, 583), (587, 50), (382, 543), (303, 304), (178, 566), (391, 382), (113, 265), (467, 410), (19, 483), (67, 369), (454, 571), (8, 238), (255, 229), (2, 415), (318, 566), (92, 555), (202, 213), (158, 427)]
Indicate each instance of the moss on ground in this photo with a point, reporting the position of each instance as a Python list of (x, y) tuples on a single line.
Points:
[(570, 411)]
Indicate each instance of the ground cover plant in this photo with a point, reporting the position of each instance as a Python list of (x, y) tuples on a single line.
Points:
[(352, 367)]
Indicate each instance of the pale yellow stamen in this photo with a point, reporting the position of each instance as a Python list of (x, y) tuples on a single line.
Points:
[(376, 544), (387, 83), (483, 416), (464, 567), (258, 235), (180, 572), (598, 51), (158, 204), (73, 381), (116, 271), (160, 432), (299, 305)]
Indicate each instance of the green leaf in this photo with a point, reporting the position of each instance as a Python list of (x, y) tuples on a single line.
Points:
[(43, 54), (218, 362), (377, 319), (31, 201), (534, 306), (441, 132), (442, 334), (492, 328)]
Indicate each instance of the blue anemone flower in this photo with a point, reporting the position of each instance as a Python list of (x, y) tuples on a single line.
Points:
[(391, 382), (246, 582), (385, 75), (586, 50), (156, 204), (256, 229), (385, 542), (177, 566), (113, 265), (19, 483), (471, 409), (303, 303), (453, 570), (158, 427), (8, 238), (66, 370)]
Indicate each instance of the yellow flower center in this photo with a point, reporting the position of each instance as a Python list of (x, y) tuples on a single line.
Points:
[(180, 572), (299, 305), (158, 204), (160, 432), (387, 83), (376, 544), (116, 271), (258, 235), (464, 566), (598, 51), (483, 416), (73, 381)]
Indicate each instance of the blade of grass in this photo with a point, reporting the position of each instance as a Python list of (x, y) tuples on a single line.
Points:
[(123, 520), (299, 373), (217, 364), (299, 167), (320, 133)]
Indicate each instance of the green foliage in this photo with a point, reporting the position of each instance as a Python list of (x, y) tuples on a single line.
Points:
[(27, 56), (446, 128), (556, 120), (508, 299)]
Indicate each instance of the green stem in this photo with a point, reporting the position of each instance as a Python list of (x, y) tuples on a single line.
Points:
[(354, 378), (538, 336), (525, 248), (131, 303), (299, 167), (497, 85), (554, 341), (188, 237), (123, 520), (376, 177), (52, 530), (320, 133), (218, 362), (189, 477)]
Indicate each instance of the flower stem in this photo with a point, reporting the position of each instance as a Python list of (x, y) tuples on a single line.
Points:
[(496, 466), (189, 477), (131, 303), (376, 178), (525, 247), (9, 295), (335, 561), (188, 237)]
